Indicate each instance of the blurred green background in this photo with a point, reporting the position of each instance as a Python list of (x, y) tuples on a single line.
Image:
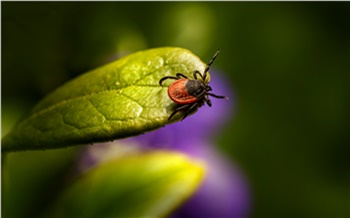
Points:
[(288, 63)]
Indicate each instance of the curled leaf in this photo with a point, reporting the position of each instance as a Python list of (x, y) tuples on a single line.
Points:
[(145, 185)]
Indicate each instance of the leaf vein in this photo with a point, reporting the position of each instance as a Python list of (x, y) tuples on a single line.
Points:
[(66, 101)]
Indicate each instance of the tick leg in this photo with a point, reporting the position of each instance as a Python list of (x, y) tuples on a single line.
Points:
[(200, 94), (182, 107), (188, 111), (217, 96), (178, 75), (167, 77), (195, 74), (210, 63), (206, 99)]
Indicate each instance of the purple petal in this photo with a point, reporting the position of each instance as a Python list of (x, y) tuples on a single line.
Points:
[(224, 192)]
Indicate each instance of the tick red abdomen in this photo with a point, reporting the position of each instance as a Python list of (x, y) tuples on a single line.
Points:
[(178, 93)]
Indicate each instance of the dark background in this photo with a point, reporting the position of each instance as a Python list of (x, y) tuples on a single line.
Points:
[(288, 63)]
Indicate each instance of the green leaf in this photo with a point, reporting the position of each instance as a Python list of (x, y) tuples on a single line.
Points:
[(115, 101), (144, 185)]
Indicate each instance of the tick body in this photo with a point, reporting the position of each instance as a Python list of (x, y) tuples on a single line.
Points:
[(190, 94), (185, 91)]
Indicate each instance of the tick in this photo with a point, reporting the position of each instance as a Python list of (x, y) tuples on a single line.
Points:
[(190, 94)]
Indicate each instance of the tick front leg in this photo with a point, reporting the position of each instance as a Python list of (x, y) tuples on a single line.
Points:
[(210, 63), (195, 74)]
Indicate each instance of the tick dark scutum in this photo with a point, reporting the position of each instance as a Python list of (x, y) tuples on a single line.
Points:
[(195, 88), (190, 94)]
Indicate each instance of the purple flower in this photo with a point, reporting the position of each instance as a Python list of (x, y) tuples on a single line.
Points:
[(223, 193)]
